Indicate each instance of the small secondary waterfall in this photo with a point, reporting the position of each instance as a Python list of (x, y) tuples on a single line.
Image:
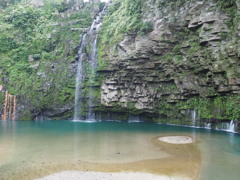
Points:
[(133, 118), (231, 127), (207, 125), (193, 117), (88, 43), (226, 126)]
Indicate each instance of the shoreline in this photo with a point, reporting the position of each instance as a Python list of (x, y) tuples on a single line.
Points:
[(89, 175)]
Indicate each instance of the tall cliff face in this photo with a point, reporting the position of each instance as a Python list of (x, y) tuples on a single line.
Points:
[(156, 58), (182, 55)]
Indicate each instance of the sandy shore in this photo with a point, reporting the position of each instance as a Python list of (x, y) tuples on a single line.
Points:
[(176, 139), (85, 175)]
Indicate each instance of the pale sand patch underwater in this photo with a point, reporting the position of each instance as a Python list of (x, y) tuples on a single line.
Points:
[(176, 139), (76, 175)]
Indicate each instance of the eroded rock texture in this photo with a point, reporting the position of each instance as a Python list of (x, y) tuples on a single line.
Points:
[(192, 51)]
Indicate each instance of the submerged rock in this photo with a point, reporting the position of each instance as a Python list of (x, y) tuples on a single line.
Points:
[(176, 139)]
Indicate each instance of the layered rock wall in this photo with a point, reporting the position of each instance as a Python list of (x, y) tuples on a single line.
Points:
[(192, 52)]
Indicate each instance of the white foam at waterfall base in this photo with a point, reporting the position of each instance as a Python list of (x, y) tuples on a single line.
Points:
[(84, 121)]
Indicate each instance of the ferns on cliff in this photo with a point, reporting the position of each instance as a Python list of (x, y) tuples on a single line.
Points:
[(124, 17)]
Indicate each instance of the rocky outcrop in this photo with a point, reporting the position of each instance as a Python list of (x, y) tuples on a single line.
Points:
[(38, 3), (192, 51)]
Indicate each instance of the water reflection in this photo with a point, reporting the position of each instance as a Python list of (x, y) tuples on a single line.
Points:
[(234, 143), (7, 139)]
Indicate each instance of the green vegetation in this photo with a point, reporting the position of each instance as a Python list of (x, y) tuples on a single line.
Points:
[(221, 108), (185, 50), (124, 17), (230, 8), (36, 48), (5, 3)]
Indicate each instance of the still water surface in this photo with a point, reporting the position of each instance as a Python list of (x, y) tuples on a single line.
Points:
[(35, 149)]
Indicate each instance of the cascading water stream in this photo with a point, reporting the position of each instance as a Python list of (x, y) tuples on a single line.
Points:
[(207, 125), (226, 126), (193, 117), (79, 79), (231, 127), (93, 63), (90, 39)]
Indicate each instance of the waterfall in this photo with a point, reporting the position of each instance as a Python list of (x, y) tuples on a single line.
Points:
[(207, 125), (133, 118), (226, 126), (90, 39), (193, 117), (231, 127), (93, 63), (79, 79)]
